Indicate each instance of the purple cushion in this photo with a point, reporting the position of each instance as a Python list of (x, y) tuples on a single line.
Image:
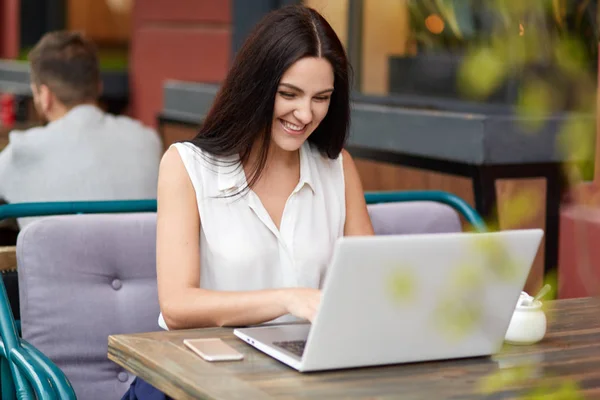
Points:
[(413, 217), (81, 279)]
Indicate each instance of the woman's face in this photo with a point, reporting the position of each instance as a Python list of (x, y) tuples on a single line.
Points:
[(301, 102)]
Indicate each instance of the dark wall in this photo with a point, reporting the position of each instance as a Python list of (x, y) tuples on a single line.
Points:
[(246, 14), (39, 17)]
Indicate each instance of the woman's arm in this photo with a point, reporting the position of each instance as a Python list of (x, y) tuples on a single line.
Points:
[(358, 222), (182, 302)]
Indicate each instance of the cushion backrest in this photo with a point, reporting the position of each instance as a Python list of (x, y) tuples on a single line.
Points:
[(81, 279), (413, 217)]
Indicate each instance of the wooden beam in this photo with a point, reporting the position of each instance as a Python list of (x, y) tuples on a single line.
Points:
[(8, 258)]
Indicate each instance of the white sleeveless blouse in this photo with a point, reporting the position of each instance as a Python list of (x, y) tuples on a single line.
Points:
[(240, 246)]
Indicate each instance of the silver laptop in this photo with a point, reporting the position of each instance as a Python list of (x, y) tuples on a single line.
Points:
[(408, 298)]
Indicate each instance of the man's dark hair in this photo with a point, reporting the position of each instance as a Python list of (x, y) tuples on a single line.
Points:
[(67, 63)]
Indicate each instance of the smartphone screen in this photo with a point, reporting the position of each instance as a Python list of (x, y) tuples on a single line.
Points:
[(213, 349)]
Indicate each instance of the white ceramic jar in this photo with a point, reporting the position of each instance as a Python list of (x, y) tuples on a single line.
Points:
[(527, 325)]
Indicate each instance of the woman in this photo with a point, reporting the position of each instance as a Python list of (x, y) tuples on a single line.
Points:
[(264, 187)]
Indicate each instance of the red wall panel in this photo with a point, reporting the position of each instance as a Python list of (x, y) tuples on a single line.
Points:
[(164, 53), (218, 11), (9, 28), (579, 256), (176, 39)]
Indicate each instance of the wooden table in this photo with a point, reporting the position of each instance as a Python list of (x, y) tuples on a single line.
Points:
[(568, 357)]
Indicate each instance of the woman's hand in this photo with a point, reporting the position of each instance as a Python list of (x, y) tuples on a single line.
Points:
[(302, 302)]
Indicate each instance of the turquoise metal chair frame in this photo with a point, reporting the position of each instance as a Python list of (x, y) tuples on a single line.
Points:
[(124, 206), (461, 206), (20, 210), (25, 368)]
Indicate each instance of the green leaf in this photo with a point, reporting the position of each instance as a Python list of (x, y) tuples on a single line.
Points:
[(401, 285), (481, 73), (534, 104)]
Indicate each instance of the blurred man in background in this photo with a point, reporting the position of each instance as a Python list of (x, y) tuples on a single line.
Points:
[(82, 153)]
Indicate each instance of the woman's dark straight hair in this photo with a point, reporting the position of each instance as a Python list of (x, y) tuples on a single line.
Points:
[(242, 113)]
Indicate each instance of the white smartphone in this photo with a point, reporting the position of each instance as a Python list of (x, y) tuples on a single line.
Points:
[(213, 349)]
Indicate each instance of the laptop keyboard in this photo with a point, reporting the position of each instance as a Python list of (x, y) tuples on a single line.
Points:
[(293, 346)]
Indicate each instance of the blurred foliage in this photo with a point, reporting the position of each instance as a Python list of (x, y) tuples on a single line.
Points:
[(549, 49), (476, 62), (507, 378), (402, 285), (551, 278), (549, 390), (519, 209), (519, 376), (458, 313), (497, 259)]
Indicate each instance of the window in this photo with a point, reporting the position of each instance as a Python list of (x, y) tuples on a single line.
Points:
[(106, 22), (413, 51)]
